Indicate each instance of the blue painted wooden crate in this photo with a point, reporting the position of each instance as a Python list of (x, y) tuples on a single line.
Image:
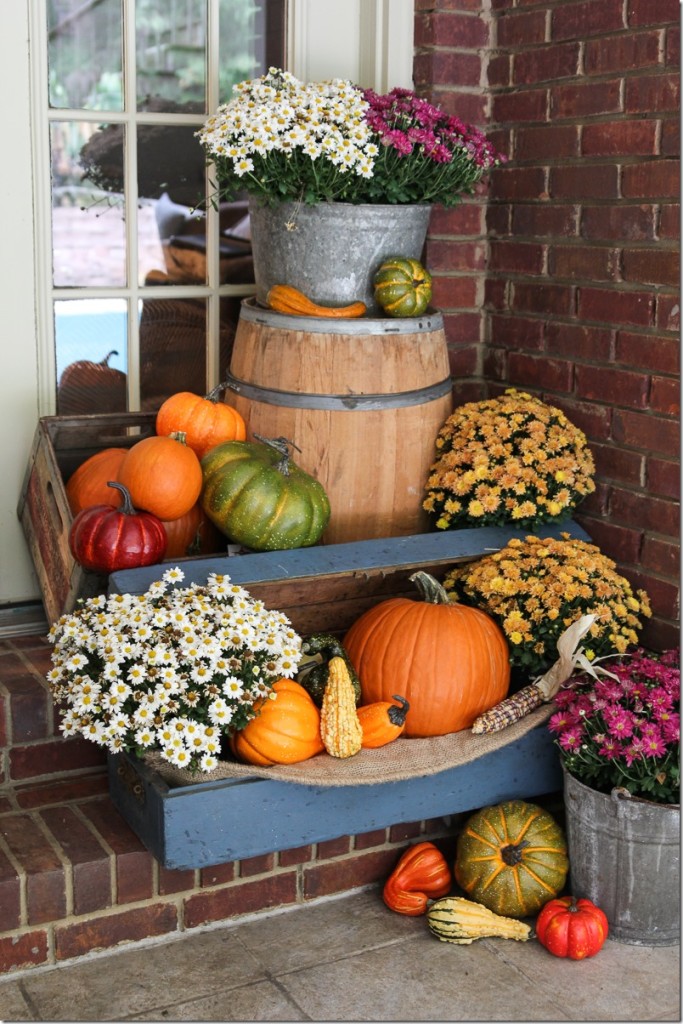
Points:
[(323, 589)]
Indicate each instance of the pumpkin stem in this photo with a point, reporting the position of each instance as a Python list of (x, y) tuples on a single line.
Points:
[(430, 588), (397, 716), (281, 445), (127, 507), (215, 392), (179, 435), (105, 361), (512, 854)]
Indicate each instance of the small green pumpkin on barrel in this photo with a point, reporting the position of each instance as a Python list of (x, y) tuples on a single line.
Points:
[(402, 287)]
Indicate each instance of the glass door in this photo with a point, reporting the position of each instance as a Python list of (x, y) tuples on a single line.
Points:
[(145, 276)]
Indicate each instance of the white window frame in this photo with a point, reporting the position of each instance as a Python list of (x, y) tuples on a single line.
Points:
[(133, 292)]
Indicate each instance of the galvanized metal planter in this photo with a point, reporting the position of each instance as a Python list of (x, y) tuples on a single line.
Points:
[(331, 251), (624, 855)]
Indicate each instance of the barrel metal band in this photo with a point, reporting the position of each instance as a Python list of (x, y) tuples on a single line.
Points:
[(362, 403)]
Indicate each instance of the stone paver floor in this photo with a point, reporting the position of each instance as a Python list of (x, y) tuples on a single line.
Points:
[(347, 959)]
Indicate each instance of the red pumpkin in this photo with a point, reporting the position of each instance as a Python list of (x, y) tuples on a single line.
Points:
[(89, 484), (205, 422), (192, 534), (449, 661), (106, 539), (570, 927), (162, 476)]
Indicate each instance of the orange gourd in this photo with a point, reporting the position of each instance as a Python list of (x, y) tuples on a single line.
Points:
[(382, 721), (205, 422), (421, 874), (286, 299), (450, 661), (285, 731), (162, 475), (89, 484), (192, 534)]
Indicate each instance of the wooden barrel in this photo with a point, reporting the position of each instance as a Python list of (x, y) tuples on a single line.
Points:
[(362, 399)]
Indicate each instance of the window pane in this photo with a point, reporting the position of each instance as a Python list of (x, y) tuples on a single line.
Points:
[(85, 54), (251, 40), (88, 229), (172, 349), (171, 178), (90, 350), (171, 55)]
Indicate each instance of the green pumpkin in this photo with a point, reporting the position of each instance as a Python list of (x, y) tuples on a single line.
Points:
[(512, 858), (258, 497), (314, 680), (403, 287)]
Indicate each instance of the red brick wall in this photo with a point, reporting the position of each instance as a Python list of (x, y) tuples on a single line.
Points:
[(570, 287)]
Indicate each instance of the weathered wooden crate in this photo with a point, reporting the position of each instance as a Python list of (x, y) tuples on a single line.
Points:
[(60, 445), (323, 588), (232, 819)]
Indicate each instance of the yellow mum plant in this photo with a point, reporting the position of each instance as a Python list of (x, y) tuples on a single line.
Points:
[(508, 459), (535, 588)]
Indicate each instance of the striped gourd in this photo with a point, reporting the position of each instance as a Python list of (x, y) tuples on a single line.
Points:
[(402, 287), (454, 919), (340, 728)]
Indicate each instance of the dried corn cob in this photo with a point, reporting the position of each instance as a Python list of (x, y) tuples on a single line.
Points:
[(510, 710)]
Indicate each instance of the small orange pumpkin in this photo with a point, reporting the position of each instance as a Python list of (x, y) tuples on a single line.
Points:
[(89, 484), (205, 422), (162, 475), (192, 534), (382, 721), (449, 660), (285, 731)]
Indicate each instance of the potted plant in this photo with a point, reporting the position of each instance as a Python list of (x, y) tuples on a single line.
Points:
[(537, 587), (618, 739), (338, 177), (175, 670), (508, 459)]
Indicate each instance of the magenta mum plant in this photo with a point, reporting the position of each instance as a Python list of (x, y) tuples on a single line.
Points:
[(624, 732)]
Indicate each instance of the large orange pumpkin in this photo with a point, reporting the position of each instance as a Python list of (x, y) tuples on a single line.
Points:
[(205, 422), (89, 484), (449, 661), (286, 730), (162, 475)]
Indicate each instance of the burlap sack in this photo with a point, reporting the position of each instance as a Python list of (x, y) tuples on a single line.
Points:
[(402, 759)]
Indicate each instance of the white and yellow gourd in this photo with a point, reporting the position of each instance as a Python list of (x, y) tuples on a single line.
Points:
[(455, 919), (340, 727)]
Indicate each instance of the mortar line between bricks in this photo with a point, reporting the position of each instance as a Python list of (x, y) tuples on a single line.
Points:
[(113, 889), (23, 882), (65, 861)]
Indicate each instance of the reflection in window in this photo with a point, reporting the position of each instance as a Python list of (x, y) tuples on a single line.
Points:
[(90, 353), (88, 229), (85, 54)]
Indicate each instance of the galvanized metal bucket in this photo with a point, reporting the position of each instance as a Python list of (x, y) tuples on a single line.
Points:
[(624, 855), (331, 251)]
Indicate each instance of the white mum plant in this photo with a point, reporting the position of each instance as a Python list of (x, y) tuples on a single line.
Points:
[(174, 670)]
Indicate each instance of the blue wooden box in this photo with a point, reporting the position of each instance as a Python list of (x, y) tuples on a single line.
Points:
[(323, 589)]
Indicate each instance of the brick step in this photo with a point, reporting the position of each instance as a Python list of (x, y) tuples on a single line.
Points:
[(31, 744), (74, 878)]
